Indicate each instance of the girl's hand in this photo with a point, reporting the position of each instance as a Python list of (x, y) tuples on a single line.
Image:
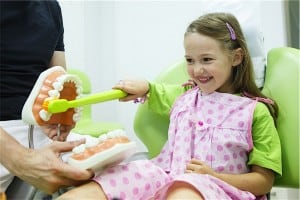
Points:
[(135, 88), (198, 166)]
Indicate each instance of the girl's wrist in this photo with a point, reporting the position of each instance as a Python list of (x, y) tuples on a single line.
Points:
[(143, 98)]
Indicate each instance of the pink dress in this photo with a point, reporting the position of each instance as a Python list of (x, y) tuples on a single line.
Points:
[(214, 128)]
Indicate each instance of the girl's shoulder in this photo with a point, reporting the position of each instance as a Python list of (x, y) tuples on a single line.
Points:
[(261, 109), (262, 114)]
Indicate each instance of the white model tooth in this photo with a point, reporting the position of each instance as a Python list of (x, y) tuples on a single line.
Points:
[(76, 117), (115, 133), (60, 79), (79, 89), (58, 86), (78, 110), (111, 134), (120, 132), (91, 142), (54, 93), (79, 148), (102, 137), (44, 115), (77, 80), (48, 99)]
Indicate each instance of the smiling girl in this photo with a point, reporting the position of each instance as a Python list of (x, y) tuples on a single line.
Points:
[(222, 141)]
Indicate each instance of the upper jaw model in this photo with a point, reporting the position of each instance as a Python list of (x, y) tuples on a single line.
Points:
[(53, 83)]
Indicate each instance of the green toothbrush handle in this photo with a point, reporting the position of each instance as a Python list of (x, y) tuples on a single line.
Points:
[(62, 105)]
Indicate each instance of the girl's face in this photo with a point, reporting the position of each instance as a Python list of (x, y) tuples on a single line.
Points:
[(207, 63)]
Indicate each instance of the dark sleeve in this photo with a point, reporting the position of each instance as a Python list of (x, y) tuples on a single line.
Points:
[(56, 10)]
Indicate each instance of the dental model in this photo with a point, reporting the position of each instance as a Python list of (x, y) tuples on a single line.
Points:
[(107, 150), (56, 99), (52, 84)]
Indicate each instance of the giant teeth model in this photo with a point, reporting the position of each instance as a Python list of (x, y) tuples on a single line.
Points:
[(57, 88), (54, 83)]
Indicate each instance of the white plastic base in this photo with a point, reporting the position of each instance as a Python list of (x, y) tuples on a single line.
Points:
[(112, 156), (27, 113)]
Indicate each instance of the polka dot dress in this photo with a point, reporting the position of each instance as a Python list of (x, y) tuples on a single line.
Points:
[(214, 128)]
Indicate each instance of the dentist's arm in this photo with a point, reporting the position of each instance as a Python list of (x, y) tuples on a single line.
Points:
[(41, 168)]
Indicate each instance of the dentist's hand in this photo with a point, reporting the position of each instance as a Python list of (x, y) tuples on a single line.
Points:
[(134, 87), (44, 169), (51, 131)]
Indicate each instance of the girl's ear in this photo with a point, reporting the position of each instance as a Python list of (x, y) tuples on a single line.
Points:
[(237, 57)]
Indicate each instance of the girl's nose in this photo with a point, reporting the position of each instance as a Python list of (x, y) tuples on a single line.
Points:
[(199, 70)]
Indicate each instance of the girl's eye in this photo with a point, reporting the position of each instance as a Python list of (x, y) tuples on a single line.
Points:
[(207, 59), (189, 60)]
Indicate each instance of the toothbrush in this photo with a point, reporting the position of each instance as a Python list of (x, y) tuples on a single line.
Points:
[(62, 105)]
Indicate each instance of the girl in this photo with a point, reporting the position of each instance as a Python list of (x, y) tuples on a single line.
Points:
[(222, 141)]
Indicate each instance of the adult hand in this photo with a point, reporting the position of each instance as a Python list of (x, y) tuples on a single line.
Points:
[(198, 166), (135, 88), (51, 131), (44, 169)]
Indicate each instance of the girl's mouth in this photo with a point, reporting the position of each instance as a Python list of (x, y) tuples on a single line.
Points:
[(204, 80)]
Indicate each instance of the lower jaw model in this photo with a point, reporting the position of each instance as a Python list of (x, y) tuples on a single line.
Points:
[(106, 150)]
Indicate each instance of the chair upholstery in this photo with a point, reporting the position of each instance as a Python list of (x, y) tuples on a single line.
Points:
[(150, 127), (86, 125), (281, 83)]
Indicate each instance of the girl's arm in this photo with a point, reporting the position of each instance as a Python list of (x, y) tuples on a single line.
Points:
[(160, 96), (259, 181)]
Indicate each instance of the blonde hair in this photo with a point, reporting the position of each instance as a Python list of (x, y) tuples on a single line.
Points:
[(225, 28)]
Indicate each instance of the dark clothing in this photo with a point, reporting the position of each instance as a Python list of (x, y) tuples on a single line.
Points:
[(30, 33)]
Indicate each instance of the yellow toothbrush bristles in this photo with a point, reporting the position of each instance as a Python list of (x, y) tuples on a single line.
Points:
[(46, 103)]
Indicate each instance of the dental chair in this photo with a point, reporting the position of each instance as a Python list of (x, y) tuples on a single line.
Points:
[(281, 84)]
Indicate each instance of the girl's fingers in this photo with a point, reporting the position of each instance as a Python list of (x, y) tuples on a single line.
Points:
[(188, 171), (197, 162)]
